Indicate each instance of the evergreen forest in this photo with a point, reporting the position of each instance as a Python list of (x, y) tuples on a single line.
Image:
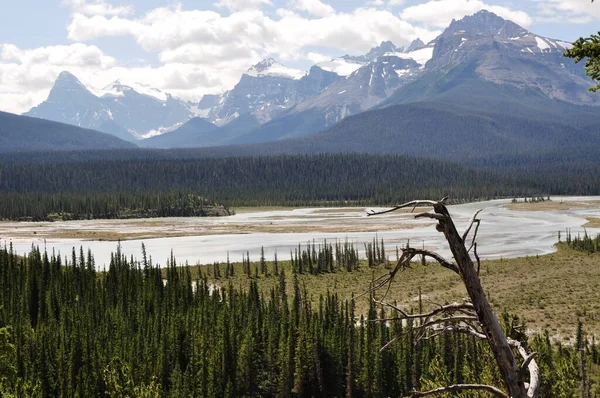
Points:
[(136, 329), (180, 183)]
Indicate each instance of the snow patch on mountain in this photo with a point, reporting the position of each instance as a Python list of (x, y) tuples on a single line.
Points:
[(160, 131), (421, 56), (564, 44), (340, 66), (119, 89), (270, 67), (541, 43)]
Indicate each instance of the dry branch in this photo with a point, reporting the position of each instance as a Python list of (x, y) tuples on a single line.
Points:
[(471, 222), (460, 387)]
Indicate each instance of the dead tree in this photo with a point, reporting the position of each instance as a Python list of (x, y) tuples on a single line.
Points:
[(473, 316)]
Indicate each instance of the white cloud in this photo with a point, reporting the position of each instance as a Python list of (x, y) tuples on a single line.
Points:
[(97, 7), (315, 7), (167, 29), (77, 54), (26, 82), (571, 11), (27, 75), (236, 5), (439, 13), (83, 27), (316, 58)]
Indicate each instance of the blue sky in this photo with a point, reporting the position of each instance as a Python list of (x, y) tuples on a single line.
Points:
[(193, 47)]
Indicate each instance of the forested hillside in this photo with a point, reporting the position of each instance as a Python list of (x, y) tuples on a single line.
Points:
[(147, 187), (24, 134), (178, 184)]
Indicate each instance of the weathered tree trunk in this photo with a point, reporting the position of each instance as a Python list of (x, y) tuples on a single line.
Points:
[(458, 317), (507, 364)]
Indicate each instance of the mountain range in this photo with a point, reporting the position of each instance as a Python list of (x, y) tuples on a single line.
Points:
[(126, 111), (483, 81)]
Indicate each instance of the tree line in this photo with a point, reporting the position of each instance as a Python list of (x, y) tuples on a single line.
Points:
[(583, 243), (106, 205)]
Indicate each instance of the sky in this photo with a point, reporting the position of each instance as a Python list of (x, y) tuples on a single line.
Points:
[(194, 47)]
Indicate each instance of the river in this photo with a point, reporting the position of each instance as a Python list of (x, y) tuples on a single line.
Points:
[(503, 232)]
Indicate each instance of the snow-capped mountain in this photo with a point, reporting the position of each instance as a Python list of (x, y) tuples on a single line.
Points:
[(502, 52), (363, 88), (340, 66), (128, 111), (365, 81), (374, 77), (476, 50), (270, 67), (264, 91), (347, 64)]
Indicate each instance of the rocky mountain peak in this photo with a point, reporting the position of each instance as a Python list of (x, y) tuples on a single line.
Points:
[(270, 67), (414, 45), (264, 65), (384, 47), (485, 23), (124, 110), (66, 76), (68, 81)]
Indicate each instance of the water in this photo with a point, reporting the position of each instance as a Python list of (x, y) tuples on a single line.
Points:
[(503, 232)]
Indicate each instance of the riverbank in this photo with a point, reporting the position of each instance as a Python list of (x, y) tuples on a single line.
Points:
[(504, 233)]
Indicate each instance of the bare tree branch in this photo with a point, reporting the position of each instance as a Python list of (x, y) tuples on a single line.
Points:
[(460, 387), (441, 260), (449, 319), (430, 215), (526, 362), (404, 262), (477, 222), (476, 257), (389, 343), (458, 329), (414, 204), (466, 308), (471, 221)]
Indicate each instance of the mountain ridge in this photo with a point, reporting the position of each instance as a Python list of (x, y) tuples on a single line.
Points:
[(23, 134)]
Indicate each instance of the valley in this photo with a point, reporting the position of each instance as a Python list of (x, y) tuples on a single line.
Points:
[(506, 231), (195, 200)]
